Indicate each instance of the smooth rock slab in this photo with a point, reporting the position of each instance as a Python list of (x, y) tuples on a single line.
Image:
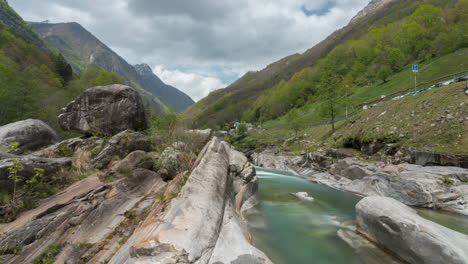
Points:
[(30, 134), (399, 229), (105, 109)]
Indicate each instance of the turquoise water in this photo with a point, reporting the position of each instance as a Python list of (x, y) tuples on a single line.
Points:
[(292, 231)]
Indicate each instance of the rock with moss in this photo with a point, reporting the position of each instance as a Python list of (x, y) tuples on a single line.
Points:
[(29, 164), (105, 110), (27, 134)]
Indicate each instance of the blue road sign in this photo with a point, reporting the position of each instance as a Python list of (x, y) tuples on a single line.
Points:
[(415, 68)]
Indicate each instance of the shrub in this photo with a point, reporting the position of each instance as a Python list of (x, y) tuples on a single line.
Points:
[(242, 129), (447, 181)]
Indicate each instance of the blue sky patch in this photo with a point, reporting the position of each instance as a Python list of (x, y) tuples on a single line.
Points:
[(319, 12)]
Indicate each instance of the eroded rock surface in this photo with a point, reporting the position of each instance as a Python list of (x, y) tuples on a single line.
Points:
[(120, 145), (401, 230), (30, 134), (105, 109), (204, 224), (29, 164)]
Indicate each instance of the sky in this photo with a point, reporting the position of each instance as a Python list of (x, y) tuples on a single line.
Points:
[(199, 46)]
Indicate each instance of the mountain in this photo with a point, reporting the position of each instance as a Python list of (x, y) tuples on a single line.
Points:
[(168, 94), (232, 103), (83, 50), (12, 20)]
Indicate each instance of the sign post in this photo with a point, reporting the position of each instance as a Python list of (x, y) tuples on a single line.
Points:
[(415, 68)]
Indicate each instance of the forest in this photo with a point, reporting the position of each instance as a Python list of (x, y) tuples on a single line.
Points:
[(36, 83)]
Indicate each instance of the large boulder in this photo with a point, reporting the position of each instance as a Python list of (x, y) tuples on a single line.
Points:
[(105, 109), (30, 134), (399, 229)]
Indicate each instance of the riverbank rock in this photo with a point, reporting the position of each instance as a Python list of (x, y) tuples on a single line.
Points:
[(276, 161), (352, 169), (428, 158), (210, 230), (402, 231), (434, 187), (30, 134), (106, 110)]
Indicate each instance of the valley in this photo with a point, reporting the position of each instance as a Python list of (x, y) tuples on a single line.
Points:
[(354, 151)]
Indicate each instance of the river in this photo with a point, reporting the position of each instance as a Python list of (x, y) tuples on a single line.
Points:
[(292, 231)]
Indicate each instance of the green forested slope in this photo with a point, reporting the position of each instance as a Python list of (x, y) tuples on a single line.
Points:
[(371, 48), (30, 83), (12, 20)]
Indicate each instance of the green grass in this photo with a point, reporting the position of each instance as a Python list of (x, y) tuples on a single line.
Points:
[(429, 70), (432, 120), (48, 257)]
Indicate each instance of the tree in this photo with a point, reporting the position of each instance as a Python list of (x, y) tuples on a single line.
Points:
[(242, 129), (63, 68), (331, 93), (295, 122), (384, 73)]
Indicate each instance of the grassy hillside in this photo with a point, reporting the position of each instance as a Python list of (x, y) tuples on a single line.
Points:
[(429, 70), (234, 102), (433, 120)]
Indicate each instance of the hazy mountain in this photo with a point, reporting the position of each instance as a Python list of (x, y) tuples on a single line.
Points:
[(168, 94), (83, 50)]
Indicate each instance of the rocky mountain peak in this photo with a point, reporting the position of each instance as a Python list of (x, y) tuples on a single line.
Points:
[(143, 69), (371, 7)]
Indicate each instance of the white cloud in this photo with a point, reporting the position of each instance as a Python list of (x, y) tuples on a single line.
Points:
[(195, 85), (206, 38)]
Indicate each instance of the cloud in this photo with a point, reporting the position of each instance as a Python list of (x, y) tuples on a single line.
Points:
[(211, 39), (195, 85)]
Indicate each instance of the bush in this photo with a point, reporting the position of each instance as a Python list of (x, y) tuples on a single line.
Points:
[(242, 129)]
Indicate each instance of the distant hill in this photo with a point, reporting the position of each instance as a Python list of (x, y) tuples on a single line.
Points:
[(244, 95), (83, 50)]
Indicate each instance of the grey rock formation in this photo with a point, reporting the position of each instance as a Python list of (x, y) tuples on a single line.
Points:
[(351, 169), (121, 145), (400, 230), (30, 134), (210, 230), (30, 163), (434, 187), (371, 7), (105, 109), (428, 158), (85, 215), (134, 160)]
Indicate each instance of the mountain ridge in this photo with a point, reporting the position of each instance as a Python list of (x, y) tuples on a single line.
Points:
[(84, 50)]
